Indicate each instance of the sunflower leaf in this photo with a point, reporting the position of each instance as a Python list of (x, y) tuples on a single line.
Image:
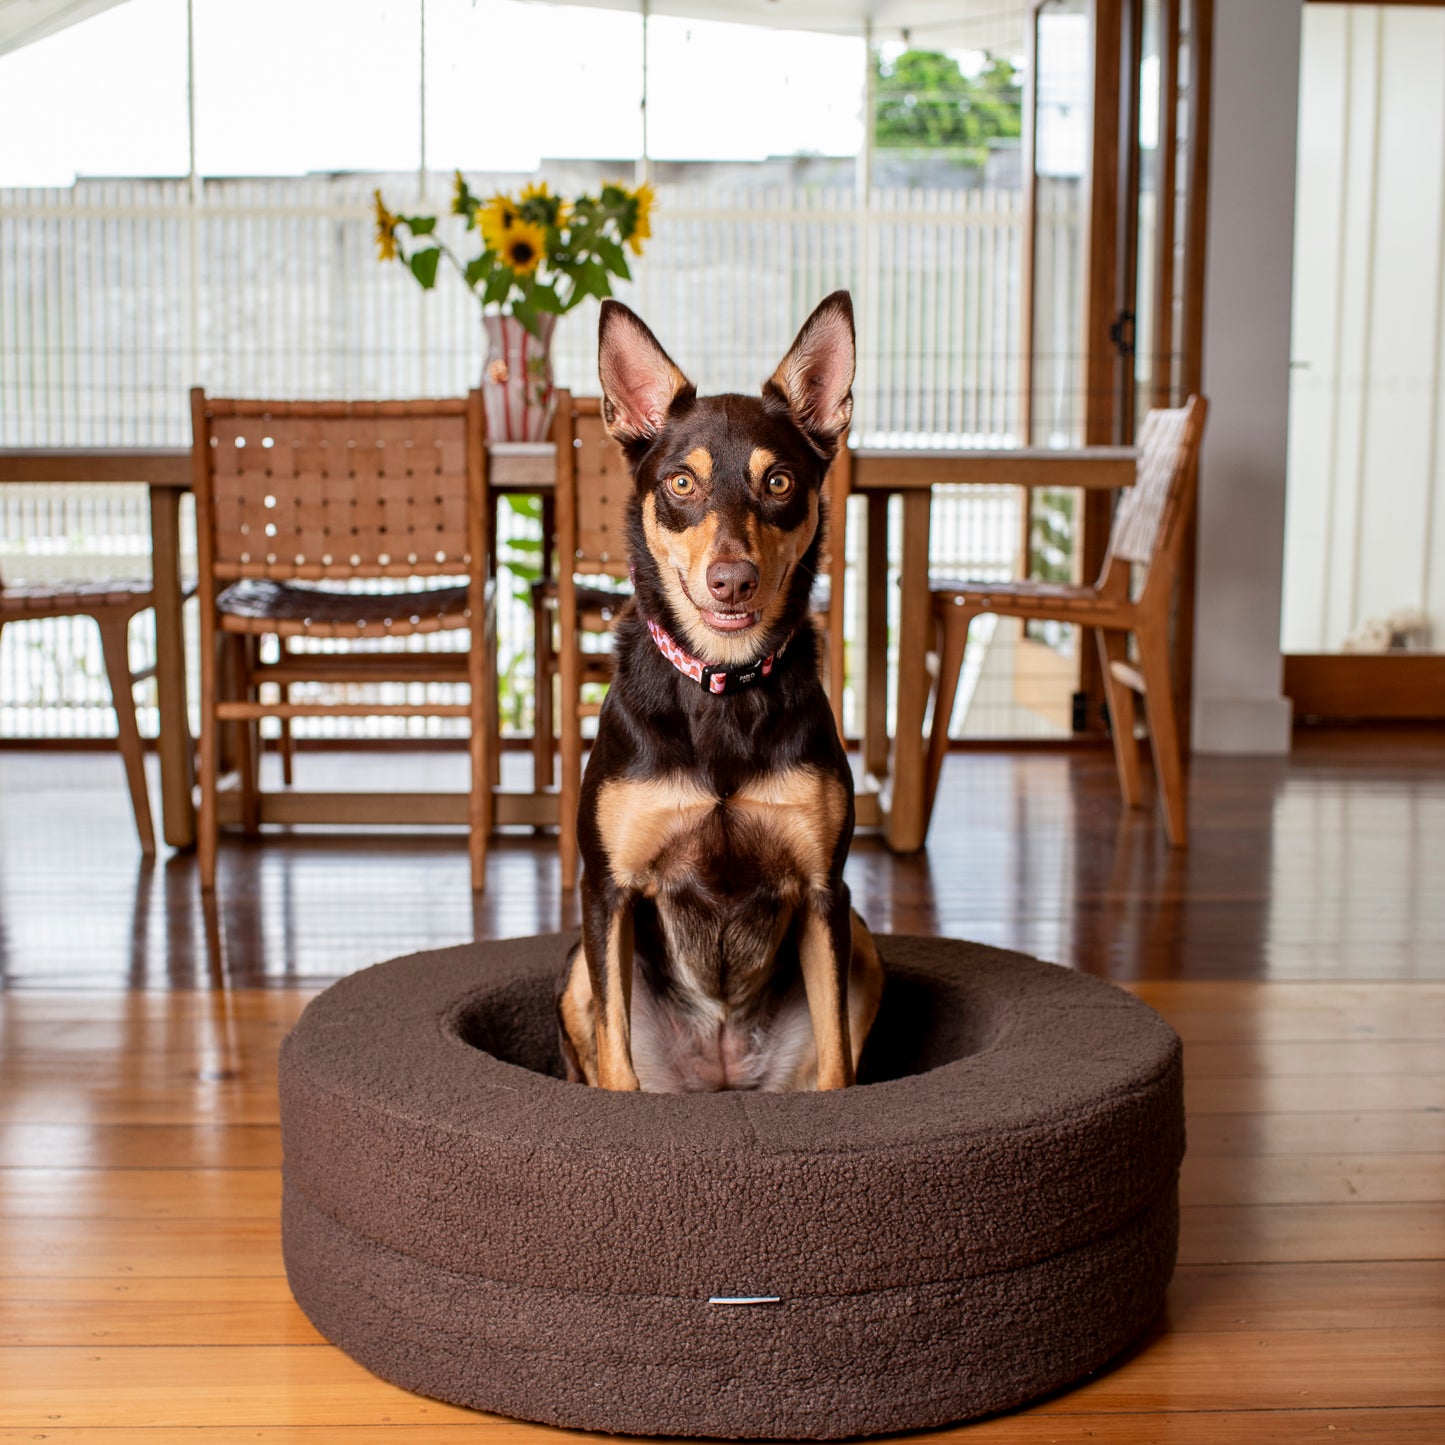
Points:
[(526, 313), (477, 268), (592, 280), (498, 284), (544, 298), (524, 504), (613, 258), (424, 266), (420, 225)]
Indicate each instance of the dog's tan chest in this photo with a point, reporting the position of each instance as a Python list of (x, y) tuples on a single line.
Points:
[(655, 829)]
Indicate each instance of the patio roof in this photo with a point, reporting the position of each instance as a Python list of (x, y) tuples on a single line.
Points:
[(23, 22), (994, 25)]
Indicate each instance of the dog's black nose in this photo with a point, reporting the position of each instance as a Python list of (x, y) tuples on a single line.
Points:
[(732, 582)]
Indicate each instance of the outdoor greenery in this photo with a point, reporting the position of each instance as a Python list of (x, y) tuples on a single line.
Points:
[(925, 102), (540, 253)]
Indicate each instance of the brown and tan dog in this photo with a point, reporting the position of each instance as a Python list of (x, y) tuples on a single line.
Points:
[(719, 950)]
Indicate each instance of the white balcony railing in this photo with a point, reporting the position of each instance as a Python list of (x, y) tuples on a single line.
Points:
[(117, 296)]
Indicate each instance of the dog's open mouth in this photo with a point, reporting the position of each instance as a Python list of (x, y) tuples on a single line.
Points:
[(731, 620)]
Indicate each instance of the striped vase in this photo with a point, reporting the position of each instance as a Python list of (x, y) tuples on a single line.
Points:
[(517, 379)]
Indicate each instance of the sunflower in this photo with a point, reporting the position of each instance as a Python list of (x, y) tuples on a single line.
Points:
[(496, 217), (385, 230), (463, 202), (642, 198), (540, 205), (523, 246)]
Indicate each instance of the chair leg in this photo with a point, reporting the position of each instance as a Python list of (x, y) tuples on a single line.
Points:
[(115, 646), (494, 710), (483, 747), (952, 642), (213, 648), (1163, 732), (287, 743), (570, 792), (247, 736), (544, 663), (1119, 697)]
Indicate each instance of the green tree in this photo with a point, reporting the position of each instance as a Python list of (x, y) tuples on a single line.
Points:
[(924, 101)]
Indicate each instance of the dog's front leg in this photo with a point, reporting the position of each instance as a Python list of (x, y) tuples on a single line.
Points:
[(607, 943), (825, 950)]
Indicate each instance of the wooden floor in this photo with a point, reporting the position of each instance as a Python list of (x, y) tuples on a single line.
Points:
[(1299, 948)]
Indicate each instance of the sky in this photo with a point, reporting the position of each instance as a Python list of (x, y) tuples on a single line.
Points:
[(286, 87)]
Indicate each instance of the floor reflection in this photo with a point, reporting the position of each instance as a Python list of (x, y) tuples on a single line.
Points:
[(1324, 865)]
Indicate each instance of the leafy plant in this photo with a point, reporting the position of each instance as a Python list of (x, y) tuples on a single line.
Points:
[(541, 254), (925, 101)]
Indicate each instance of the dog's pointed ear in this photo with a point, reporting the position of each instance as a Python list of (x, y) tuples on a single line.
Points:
[(815, 378), (640, 383)]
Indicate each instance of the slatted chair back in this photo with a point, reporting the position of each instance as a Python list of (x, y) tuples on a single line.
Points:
[(1148, 528), (601, 486), (335, 490)]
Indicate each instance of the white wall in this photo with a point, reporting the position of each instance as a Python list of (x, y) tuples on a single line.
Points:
[(1365, 528), (1238, 707)]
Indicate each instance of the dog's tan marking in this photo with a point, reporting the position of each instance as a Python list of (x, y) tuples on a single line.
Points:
[(803, 810), (700, 460), (827, 1006), (865, 990), (865, 987), (614, 1021), (759, 463), (776, 553), (577, 1010), (640, 819)]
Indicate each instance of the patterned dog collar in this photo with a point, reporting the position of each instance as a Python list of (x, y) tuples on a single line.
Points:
[(714, 679)]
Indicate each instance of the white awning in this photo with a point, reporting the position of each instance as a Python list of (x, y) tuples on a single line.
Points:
[(22, 22), (993, 25)]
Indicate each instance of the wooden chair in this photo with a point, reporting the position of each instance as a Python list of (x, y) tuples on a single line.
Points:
[(590, 509), (296, 504), (593, 487), (112, 605), (1147, 535)]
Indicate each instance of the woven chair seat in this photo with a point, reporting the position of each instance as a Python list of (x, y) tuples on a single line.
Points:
[(599, 601), (258, 605), (1050, 598), (64, 599)]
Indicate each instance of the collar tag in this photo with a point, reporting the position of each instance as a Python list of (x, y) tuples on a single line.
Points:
[(713, 679)]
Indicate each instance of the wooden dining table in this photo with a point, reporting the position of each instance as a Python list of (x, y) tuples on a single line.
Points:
[(893, 796), (893, 793), (166, 471)]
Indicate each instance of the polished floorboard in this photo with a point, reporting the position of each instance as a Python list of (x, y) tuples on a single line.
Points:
[(1298, 947), (1323, 865)]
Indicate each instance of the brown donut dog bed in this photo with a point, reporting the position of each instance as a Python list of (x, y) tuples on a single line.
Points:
[(992, 1217)]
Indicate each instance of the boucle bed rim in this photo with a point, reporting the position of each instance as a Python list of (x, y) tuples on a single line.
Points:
[(1006, 1221)]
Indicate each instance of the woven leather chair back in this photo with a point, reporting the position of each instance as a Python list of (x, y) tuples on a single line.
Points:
[(603, 487), (1149, 521), (314, 490)]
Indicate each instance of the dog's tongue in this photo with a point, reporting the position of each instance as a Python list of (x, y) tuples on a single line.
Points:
[(731, 621)]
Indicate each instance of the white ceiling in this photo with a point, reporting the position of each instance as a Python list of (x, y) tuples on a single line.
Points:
[(994, 25), (22, 22)]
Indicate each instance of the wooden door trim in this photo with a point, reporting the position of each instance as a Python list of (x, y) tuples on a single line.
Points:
[(1388, 686)]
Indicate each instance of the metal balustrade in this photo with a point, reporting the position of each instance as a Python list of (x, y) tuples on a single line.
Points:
[(117, 296)]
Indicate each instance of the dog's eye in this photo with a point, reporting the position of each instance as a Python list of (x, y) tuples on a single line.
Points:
[(681, 485), (780, 485)]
